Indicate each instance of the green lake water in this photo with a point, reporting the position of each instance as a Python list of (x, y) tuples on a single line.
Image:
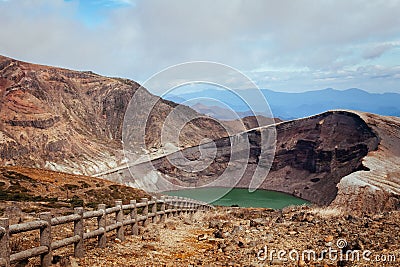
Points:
[(240, 197)]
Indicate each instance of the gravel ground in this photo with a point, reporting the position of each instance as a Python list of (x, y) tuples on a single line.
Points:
[(240, 237)]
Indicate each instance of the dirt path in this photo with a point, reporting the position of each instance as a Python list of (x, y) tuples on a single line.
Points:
[(173, 243)]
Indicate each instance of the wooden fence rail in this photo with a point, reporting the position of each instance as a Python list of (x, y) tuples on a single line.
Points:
[(154, 210)]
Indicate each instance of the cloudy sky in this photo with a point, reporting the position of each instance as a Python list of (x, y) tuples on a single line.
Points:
[(282, 45)]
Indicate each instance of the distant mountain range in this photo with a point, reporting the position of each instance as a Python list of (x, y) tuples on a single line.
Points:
[(292, 105)]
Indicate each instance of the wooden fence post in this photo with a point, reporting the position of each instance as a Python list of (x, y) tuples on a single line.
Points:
[(191, 209), (163, 215), (79, 247), (45, 239), (5, 249), (177, 206), (145, 211), (172, 206), (186, 205), (169, 206), (119, 218), (135, 227), (102, 224), (182, 205), (154, 210), (193, 205), (189, 206)]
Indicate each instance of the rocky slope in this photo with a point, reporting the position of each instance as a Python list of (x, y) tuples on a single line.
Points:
[(238, 237), (72, 121), (337, 157), (26, 191)]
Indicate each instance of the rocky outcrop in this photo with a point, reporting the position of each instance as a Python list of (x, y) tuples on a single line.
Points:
[(341, 158), (377, 187), (72, 121), (313, 154)]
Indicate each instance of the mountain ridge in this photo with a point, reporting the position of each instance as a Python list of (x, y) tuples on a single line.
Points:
[(72, 121), (302, 104)]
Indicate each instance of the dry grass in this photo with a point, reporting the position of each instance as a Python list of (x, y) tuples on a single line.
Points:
[(58, 190)]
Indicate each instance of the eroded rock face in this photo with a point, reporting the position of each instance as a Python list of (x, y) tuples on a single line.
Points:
[(377, 188), (312, 156), (72, 121)]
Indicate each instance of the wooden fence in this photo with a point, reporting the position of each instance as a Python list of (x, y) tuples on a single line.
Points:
[(154, 210)]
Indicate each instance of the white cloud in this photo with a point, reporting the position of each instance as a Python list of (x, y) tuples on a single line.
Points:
[(378, 50), (146, 36)]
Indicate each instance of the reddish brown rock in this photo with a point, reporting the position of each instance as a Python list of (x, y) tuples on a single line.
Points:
[(72, 121)]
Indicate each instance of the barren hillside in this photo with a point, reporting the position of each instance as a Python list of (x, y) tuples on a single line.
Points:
[(38, 190), (72, 121)]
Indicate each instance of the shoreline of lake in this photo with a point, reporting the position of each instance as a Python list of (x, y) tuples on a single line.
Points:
[(241, 197)]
